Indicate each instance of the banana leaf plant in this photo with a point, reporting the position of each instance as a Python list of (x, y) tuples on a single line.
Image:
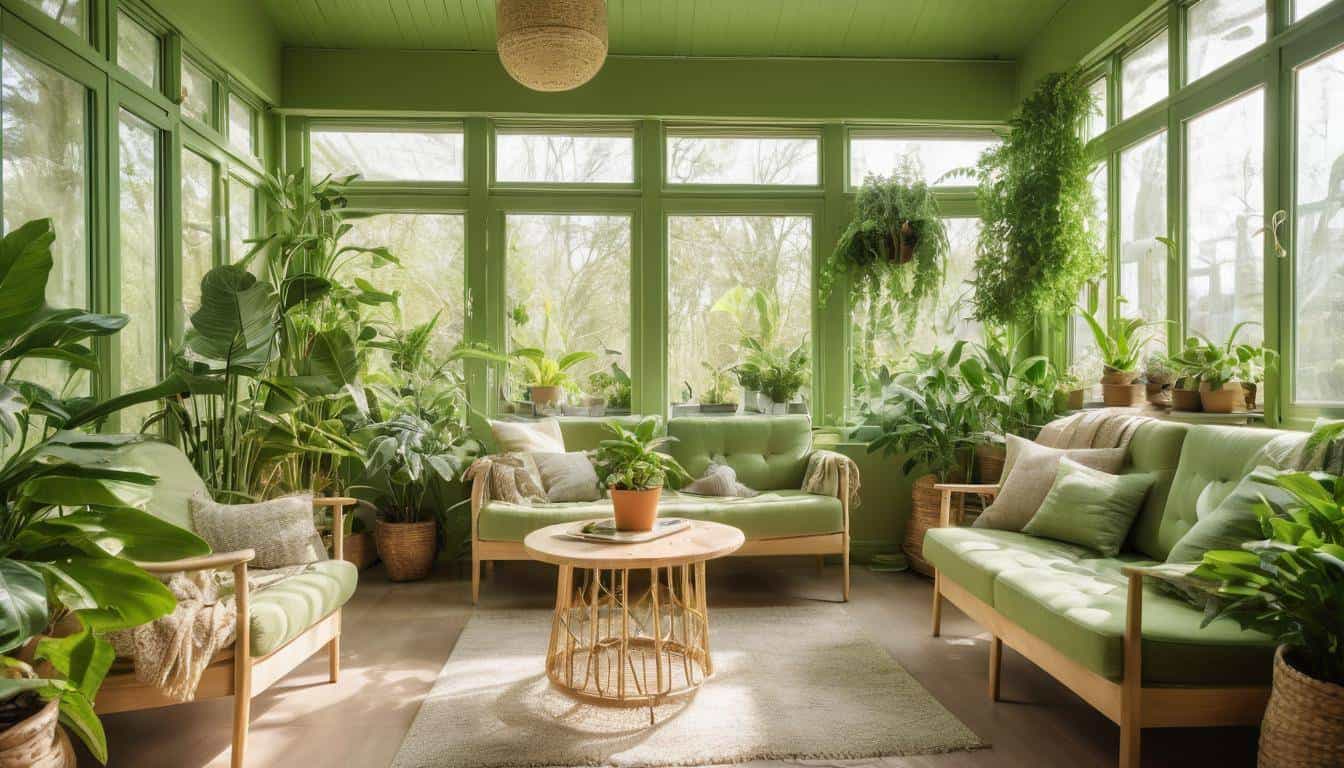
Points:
[(72, 522), (1120, 351)]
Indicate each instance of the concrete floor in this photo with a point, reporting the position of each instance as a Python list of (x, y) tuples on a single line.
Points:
[(397, 637)]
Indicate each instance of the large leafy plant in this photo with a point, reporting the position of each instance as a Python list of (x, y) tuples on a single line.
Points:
[(1014, 393), (780, 374), (1120, 351), (1206, 361), (633, 460), (1037, 245), (408, 459)]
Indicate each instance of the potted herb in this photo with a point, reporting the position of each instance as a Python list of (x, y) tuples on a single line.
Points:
[(782, 377), (1069, 392), (749, 379), (719, 397), (1220, 369), (613, 387), (634, 470), (1159, 376), (1120, 353), (1253, 363), (1290, 586)]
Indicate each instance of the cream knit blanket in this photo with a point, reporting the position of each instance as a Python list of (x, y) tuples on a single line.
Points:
[(824, 470), (1097, 428)]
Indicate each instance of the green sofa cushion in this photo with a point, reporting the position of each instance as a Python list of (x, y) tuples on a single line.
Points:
[(583, 433), (1233, 522), (1089, 507), (774, 514), (1155, 450), (768, 453), (973, 557), (1079, 609), (280, 611)]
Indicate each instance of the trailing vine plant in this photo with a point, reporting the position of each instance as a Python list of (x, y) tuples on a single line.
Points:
[(1037, 244)]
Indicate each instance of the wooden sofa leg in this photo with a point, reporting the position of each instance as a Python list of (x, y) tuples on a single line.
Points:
[(1131, 690), (475, 579), (334, 659), (844, 567), (937, 604), (995, 665)]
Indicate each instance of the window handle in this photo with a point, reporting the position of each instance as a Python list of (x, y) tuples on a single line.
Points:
[(1272, 229)]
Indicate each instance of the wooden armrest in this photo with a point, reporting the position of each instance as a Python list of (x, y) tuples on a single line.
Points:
[(334, 501), (987, 489), (203, 563)]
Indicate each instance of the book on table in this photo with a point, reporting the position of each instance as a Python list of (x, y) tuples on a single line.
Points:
[(606, 531)]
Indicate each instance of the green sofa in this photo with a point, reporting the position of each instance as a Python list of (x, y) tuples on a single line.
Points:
[(769, 454), (1122, 643)]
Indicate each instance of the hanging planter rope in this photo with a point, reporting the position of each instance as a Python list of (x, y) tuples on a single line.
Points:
[(551, 45)]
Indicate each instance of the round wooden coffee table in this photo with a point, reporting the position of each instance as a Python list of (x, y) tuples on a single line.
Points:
[(618, 643)]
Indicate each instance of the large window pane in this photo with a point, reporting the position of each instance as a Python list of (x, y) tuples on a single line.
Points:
[(137, 50), (1303, 7), (139, 250), (562, 159), (928, 159), (1085, 357), (242, 203), (1143, 218), (741, 160), (70, 13), (1096, 116), (387, 155), (198, 93), (1220, 31), (1318, 273), (715, 265), (198, 227), (1225, 185), (242, 126), (568, 287), (1143, 76)]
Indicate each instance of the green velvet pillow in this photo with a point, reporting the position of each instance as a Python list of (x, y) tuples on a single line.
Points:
[(1089, 507), (1233, 522)]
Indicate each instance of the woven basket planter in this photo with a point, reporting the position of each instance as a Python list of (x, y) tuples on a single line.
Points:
[(37, 742), (360, 549), (407, 549), (923, 516), (989, 461), (551, 45), (1304, 722)]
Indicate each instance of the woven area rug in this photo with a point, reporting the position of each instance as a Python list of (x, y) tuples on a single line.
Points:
[(789, 683)]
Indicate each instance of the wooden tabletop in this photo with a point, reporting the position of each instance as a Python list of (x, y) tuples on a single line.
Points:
[(702, 541)]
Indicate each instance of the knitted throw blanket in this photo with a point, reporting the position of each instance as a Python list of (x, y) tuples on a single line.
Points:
[(824, 470), (1098, 428)]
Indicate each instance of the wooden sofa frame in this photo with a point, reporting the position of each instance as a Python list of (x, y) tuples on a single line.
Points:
[(1127, 703), (234, 671), (485, 552)]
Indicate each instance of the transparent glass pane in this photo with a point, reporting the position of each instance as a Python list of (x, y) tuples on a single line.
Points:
[(568, 288), (1224, 247), (198, 227), (1220, 31), (1303, 7), (1143, 76), (70, 13), (928, 159), (1096, 117), (387, 155), (715, 265), (1085, 357), (198, 93), (1318, 271), (432, 276), (556, 159), (1143, 218), (137, 188), (137, 50), (242, 126), (743, 160), (242, 203), (45, 167)]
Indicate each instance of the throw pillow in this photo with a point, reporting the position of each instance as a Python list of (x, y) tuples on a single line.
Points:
[(281, 531), (718, 480), (567, 477), (514, 479), (1090, 508), (1233, 522), (541, 436), (1030, 471)]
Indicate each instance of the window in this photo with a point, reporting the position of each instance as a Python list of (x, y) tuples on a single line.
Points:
[(926, 158), (198, 93), (432, 277), (139, 251), (242, 126), (1318, 267), (198, 227), (137, 50), (378, 155), (564, 159), (1303, 7), (1085, 357), (1096, 116), (716, 266), (70, 13), (1143, 218), (568, 286), (45, 167), (242, 203), (1219, 31), (754, 160), (1224, 213), (1143, 76)]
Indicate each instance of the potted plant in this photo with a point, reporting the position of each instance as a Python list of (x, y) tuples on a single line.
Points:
[(1159, 376), (1220, 368), (613, 387), (1253, 362), (719, 397), (1120, 353), (634, 470), (749, 379), (782, 377), (1290, 586), (1069, 392)]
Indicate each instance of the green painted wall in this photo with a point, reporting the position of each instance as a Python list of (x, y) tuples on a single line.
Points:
[(776, 89), (237, 34), (1080, 27)]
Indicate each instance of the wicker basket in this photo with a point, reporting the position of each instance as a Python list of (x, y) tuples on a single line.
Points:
[(923, 516), (407, 549), (37, 742), (989, 462), (360, 549), (1304, 722)]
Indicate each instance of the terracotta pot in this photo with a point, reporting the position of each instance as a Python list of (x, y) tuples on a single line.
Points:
[(1186, 400), (1229, 398), (1158, 394), (37, 742), (1304, 722), (1251, 392), (1121, 395), (1114, 377), (635, 510), (546, 397), (989, 458), (407, 549)]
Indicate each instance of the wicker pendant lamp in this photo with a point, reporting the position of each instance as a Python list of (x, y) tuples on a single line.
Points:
[(551, 45)]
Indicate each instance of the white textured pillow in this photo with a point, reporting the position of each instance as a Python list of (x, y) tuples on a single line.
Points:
[(567, 476), (280, 530), (542, 436), (1030, 471), (718, 480)]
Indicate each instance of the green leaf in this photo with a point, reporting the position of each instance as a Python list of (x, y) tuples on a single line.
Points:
[(108, 593), (301, 288), (126, 532), (23, 604), (236, 319), (25, 264), (78, 716), (82, 658)]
